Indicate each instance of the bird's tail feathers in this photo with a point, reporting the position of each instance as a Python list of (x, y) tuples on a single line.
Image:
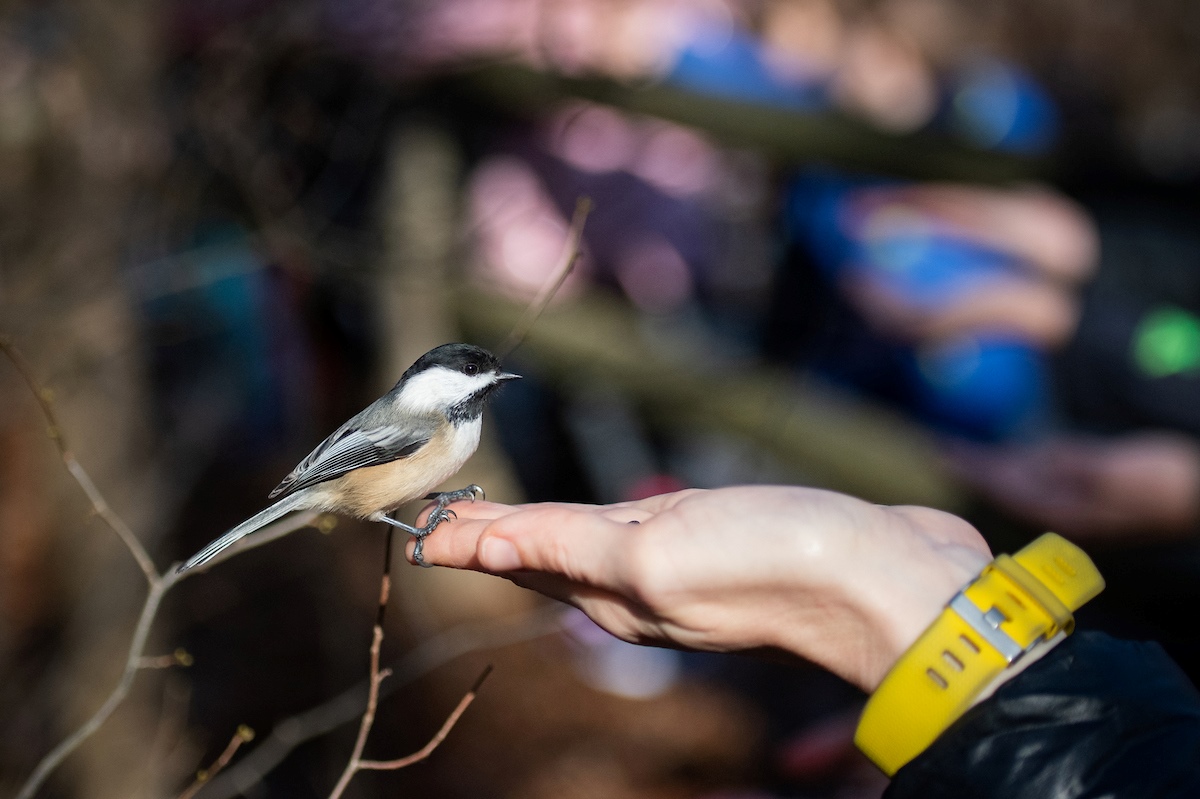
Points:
[(258, 520)]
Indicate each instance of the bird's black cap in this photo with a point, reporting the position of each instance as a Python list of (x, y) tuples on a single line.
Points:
[(465, 358)]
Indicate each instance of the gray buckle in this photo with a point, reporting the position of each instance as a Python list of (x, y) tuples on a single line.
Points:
[(987, 624)]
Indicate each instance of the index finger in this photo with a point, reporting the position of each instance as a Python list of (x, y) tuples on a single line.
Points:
[(584, 544)]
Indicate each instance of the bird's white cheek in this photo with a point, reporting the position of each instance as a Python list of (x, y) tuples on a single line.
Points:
[(439, 388)]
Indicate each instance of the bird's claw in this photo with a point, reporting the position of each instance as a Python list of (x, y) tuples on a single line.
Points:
[(439, 514), (418, 557)]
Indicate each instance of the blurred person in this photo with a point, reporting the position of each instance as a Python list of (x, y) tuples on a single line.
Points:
[(945, 299), (1140, 484), (851, 586)]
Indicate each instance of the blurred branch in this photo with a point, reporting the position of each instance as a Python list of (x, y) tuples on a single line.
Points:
[(158, 582), (58, 754), (243, 735), (180, 657), (566, 264), (833, 439), (348, 705), (45, 400), (788, 136)]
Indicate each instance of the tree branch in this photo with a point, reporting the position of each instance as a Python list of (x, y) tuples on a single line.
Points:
[(447, 725), (158, 583), (570, 256), (58, 754), (45, 400), (377, 676), (180, 657), (240, 737), (348, 705)]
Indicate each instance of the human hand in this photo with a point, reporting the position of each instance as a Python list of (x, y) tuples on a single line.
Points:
[(841, 582), (1053, 239), (1143, 486), (1014, 306), (1052, 236)]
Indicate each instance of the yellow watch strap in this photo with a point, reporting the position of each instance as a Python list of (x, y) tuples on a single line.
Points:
[(1015, 604)]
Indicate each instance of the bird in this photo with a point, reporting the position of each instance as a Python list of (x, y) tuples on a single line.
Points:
[(397, 449)]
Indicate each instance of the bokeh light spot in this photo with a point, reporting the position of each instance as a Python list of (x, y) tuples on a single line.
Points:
[(655, 275), (1167, 342)]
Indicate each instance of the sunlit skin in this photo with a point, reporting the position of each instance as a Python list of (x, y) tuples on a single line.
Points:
[(822, 576)]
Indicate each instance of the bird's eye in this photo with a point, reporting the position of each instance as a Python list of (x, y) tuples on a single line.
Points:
[(471, 369)]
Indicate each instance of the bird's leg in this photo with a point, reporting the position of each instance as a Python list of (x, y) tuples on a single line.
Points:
[(418, 533), (439, 514)]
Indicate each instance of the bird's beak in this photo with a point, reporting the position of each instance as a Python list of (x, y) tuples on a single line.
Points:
[(505, 376)]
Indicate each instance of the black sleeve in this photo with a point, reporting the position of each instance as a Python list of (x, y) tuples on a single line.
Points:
[(1096, 717)]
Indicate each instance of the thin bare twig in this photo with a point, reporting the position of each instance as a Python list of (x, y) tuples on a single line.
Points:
[(157, 662), (447, 725), (377, 676), (347, 706), (137, 645), (101, 507), (368, 717), (570, 257), (58, 754), (243, 735), (180, 657), (158, 583)]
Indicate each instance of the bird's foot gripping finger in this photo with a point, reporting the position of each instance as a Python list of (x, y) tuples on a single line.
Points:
[(418, 533), (418, 557), (439, 514), (436, 517)]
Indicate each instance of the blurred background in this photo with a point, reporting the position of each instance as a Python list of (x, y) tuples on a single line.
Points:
[(921, 251)]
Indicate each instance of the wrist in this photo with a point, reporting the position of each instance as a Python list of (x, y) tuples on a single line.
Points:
[(937, 555), (1017, 608), (877, 590)]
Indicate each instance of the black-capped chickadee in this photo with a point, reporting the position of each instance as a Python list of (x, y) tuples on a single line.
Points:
[(396, 450)]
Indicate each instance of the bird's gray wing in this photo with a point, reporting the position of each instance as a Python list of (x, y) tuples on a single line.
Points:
[(355, 444)]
